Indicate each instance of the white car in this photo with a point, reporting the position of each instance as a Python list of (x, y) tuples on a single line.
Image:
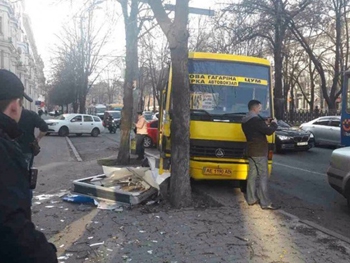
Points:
[(326, 130), (339, 172), (75, 123)]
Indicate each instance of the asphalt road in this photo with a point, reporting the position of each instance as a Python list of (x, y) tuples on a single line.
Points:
[(298, 182)]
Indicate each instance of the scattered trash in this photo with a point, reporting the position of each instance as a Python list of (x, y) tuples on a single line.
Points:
[(154, 241), (151, 202), (43, 197), (37, 203), (62, 245), (62, 220), (109, 205), (142, 231), (50, 206), (162, 233), (97, 244), (65, 257), (90, 237), (150, 252), (77, 199), (108, 249)]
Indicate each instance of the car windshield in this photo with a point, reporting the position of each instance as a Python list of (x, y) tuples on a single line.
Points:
[(148, 117), (282, 124), (220, 88), (100, 110), (60, 117), (115, 115)]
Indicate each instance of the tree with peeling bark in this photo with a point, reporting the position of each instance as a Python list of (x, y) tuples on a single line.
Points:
[(177, 35)]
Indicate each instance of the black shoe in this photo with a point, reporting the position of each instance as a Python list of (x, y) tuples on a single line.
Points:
[(270, 207), (255, 203)]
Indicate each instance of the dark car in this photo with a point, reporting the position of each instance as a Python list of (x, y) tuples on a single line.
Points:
[(292, 139)]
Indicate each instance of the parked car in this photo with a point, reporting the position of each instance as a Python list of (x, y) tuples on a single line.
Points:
[(116, 115), (326, 130), (338, 172), (75, 123), (152, 134), (289, 138)]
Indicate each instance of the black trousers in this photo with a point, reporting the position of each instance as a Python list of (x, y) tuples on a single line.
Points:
[(140, 149)]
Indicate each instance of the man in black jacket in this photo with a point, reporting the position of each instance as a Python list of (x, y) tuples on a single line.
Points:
[(255, 129), (20, 242), (28, 122)]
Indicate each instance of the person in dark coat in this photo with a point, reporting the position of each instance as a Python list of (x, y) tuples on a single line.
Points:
[(256, 129), (28, 122), (20, 242)]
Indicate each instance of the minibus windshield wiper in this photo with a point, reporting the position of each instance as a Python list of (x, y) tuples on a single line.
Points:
[(234, 114), (194, 111)]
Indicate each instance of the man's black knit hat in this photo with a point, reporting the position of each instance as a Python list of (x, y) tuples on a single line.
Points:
[(11, 87)]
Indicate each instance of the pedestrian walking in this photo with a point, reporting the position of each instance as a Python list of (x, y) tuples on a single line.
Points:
[(29, 143), (19, 240), (256, 128), (141, 132)]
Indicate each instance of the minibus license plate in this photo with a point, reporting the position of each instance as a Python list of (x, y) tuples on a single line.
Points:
[(216, 171)]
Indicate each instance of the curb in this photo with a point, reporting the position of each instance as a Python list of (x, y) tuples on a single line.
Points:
[(316, 226), (76, 154), (326, 230)]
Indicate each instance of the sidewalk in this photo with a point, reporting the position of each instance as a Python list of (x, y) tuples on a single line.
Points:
[(225, 234), (233, 232), (214, 235)]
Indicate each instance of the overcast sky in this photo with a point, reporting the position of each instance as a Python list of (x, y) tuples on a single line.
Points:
[(48, 18)]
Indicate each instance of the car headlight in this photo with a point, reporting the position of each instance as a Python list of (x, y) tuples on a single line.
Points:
[(311, 135), (54, 123), (283, 137)]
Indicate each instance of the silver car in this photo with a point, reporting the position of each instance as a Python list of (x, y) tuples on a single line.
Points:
[(339, 172), (326, 130)]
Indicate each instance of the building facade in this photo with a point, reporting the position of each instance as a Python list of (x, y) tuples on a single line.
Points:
[(18, 51)]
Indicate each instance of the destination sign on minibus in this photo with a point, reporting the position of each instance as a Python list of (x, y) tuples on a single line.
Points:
[(223, 80)]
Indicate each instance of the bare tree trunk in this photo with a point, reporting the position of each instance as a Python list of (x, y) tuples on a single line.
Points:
[(280, 30), (131, 60), (177, 35), (180, 189)]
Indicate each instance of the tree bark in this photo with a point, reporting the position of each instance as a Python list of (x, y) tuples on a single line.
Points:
[(177, 35), (180, 187), (131, 61)]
